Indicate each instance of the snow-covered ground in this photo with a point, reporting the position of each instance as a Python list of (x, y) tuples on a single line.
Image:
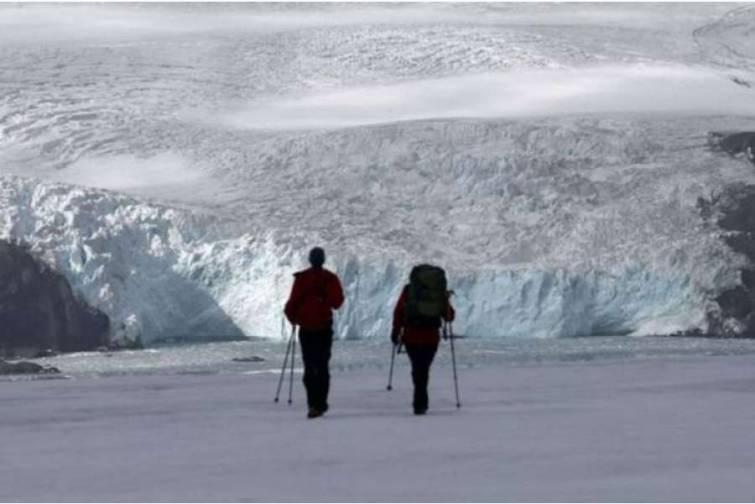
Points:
[(176, 162), (609, 430)]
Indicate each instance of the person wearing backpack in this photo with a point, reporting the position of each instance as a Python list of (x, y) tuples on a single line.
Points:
[(315, 294), (417, 318)]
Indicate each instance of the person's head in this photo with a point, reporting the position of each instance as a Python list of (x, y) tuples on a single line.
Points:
[(317, 257)]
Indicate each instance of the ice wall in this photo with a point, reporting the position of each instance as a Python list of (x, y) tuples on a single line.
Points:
[(122, 256), (161, 273)]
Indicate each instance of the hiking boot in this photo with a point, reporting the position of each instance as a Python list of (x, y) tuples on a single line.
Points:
[(314, 413), (420, 411)]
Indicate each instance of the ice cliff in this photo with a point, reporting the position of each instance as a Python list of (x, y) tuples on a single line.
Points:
[(547, 232)]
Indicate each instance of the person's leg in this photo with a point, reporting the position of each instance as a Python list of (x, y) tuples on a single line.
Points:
[(323, 369), (421, 356), (316, 374), (428, 354), (418, 375), (308, 343)]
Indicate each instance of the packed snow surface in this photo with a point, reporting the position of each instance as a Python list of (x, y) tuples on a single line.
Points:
[(177, 162), (613, 430)]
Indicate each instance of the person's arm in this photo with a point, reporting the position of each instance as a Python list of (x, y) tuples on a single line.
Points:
[(398, 317), (450, 313), (335, 293), (292, 305)]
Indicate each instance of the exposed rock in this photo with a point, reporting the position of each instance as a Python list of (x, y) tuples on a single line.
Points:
[(734, 143), (48, 352), (741, 82), (253, 358), (124, 344), (24, 367), (734, 209), (39, 312)]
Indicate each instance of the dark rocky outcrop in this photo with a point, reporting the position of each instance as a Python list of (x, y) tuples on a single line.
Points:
[(23, 367), (253, 358), (734, 211), (734, 144), (39, 311)]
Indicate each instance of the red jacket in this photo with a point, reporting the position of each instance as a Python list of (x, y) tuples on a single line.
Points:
[(418, 335), (316, 292)]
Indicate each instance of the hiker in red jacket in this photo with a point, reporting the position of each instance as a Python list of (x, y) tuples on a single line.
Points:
[(418, 332), (315, 294)]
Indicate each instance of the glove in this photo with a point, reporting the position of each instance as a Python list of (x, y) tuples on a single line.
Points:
[(394, 336)]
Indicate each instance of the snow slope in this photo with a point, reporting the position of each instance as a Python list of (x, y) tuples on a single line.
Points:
[(550, 157)]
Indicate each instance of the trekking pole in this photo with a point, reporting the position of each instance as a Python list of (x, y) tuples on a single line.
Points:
[(293, 360), (453, 361), (394, 350), (390, 373), (285, 362)]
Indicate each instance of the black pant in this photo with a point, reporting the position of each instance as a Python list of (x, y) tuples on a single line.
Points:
[(421, 357), (315, 349)]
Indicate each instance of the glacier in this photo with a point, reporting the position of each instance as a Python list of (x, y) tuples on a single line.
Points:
[(177, 173)]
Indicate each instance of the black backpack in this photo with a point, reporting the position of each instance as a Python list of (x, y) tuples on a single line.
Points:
[(426, 296)]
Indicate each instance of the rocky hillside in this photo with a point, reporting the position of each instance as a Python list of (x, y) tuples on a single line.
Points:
[(39, 311)]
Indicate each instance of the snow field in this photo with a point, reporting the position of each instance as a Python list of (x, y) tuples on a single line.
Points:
[(676, 430)]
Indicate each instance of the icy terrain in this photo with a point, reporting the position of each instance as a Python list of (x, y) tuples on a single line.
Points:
[(176, 162), (654, 430)]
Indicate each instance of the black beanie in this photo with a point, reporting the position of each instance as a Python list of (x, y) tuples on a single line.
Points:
[(317, 257)]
